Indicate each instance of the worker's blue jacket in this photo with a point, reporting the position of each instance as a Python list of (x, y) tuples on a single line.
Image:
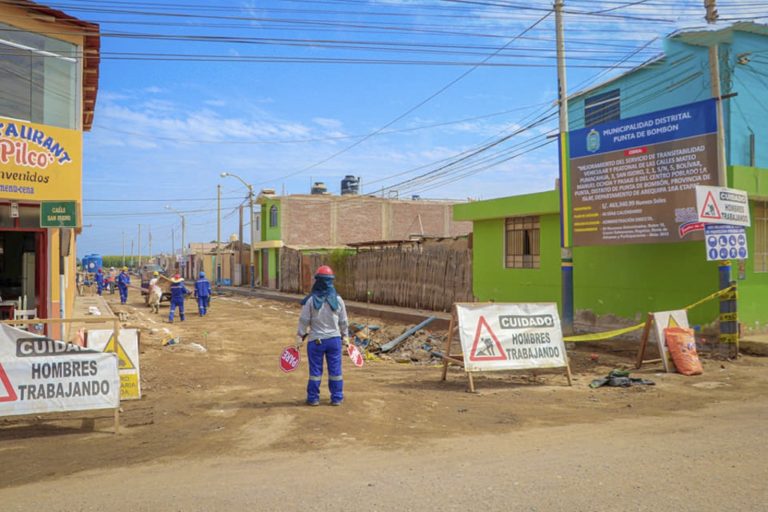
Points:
[(123, 279), (202, 288), (178, 291), (100, 279)]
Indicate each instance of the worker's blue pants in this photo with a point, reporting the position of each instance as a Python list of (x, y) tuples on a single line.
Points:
[(331, 349), (174, 305), (99, 288), (123, 293), (202, 305)]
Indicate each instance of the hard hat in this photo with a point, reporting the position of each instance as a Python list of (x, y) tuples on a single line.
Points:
[(324, 270), (202, 274), (155, 273), (125, 268), (177, 276), (111, 268)]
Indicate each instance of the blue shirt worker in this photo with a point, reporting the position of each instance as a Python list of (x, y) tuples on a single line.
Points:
[(123, 280), (178, 293), (202, 294), (99, 281), (323, 321)]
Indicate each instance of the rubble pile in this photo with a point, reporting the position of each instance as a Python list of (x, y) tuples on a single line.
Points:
[(420, 347)]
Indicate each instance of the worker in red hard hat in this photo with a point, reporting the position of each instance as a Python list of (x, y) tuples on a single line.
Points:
[(323, 321)]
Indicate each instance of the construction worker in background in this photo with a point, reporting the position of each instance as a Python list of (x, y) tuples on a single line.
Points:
[(123, 280), (202, 294), (178, 293), (323, 321), (110, 280), (99, 280)]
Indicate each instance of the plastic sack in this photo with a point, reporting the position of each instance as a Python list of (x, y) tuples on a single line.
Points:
[(681, 344)]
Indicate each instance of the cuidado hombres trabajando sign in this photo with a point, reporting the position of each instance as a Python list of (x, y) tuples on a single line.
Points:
[(510, 336), (41, 375)]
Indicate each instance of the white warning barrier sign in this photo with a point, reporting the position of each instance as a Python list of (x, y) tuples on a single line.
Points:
[(127, 350), (510, 336), (40, 375)]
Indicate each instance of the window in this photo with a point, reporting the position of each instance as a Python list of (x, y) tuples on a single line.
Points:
[(602, 108), (522, 242), (760, 222), (273, 216), (38, 77)]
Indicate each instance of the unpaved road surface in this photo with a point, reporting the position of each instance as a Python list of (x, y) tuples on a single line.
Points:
[(226, 430)]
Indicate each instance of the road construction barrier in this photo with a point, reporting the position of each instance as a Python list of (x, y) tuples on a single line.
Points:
[(498, 336), (39, 375)]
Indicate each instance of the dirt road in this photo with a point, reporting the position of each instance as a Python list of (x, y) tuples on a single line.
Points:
[(226, 430)]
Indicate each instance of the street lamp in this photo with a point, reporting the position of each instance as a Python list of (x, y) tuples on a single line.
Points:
[(250, 206), (183, 228)]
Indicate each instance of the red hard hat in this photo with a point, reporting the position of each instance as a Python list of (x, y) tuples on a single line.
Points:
[(177, 276), (324, 270)]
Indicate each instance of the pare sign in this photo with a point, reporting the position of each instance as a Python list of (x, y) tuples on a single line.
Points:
[(289, 359)]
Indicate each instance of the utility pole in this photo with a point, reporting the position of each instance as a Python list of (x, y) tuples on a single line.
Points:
[(123, 248), (131, 252), (240, 228), (183, 247), (139, 264), (173, 247), (566, 244), (714, 78), (149, 256), (218, 235), (250, 224)]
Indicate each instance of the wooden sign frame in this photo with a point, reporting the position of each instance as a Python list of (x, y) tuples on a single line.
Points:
[(449, 359)]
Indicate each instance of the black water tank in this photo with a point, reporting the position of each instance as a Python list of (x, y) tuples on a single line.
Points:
[(319, 188), (350, 185)]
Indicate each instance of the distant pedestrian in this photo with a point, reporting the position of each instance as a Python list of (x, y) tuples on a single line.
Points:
[(99, 281), (178, 293), (323, 321), (202, 294), (154, 293), (123, 280)]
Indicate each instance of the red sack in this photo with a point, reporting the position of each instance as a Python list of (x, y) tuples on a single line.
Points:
[(681, 344)]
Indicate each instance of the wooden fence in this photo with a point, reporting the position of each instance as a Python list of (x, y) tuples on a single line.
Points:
[(430, 278)]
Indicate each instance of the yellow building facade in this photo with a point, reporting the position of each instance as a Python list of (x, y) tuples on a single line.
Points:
[(49, 69)]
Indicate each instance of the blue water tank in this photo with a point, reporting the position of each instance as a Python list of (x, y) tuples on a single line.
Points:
[(350, 185), (92, 263)]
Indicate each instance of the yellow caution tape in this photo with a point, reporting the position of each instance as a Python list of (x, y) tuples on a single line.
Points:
[(599, 336)]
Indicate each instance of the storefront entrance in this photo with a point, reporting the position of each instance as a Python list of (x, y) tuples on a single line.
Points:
[(23, 266)]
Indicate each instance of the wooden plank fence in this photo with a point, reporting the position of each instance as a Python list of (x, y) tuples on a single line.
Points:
[(431, 278)]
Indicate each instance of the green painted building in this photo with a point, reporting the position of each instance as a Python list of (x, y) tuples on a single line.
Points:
[(516, 258)]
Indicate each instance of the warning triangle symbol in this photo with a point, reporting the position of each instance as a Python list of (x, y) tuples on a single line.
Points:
[(124, 362), (10, 394), (672, 322), (486, 346), (710, 209)]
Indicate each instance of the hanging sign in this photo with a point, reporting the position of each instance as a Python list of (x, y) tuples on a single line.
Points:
[(725, 242), (510, 336), (720, 205)]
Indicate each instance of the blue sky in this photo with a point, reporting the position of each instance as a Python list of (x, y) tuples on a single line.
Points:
[(165, 129)]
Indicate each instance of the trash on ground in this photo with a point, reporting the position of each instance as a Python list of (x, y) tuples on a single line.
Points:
[(620, 379)]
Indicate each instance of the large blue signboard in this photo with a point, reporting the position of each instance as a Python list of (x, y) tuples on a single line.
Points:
[(632, 180)]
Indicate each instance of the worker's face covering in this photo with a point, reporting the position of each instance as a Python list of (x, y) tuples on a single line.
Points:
[(323, 291)]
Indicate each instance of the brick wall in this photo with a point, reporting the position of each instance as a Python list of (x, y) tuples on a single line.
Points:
[(332, 221)]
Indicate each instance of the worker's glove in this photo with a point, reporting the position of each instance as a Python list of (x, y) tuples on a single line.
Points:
[(345, 341), (299, 342)]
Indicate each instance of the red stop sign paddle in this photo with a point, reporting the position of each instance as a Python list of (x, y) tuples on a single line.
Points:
[(289, 359), (355, 355)]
